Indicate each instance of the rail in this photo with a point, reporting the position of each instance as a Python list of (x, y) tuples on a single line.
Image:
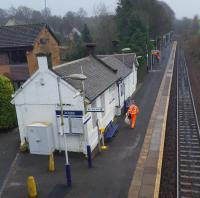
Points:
[(188, 136)]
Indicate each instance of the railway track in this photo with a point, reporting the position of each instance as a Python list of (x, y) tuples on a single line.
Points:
[(188, 136)]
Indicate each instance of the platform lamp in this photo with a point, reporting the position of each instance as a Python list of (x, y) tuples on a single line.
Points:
[(82, 78), (152, 40)]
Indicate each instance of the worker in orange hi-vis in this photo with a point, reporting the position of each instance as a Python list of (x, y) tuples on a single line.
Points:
[(132, 113)]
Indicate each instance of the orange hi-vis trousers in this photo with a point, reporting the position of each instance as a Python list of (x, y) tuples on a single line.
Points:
[(133, 110), (133, 121)]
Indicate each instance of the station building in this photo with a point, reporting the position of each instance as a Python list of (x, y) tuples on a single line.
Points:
[(111, 79)]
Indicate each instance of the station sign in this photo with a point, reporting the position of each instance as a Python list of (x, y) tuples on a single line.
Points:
[(95, 109), (73, 122), (70, 113)]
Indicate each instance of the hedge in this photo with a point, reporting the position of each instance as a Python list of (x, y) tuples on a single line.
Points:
[(7, 110)]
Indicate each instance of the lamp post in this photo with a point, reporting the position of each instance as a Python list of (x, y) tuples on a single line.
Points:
[(67, 165), (152, 40), (147, 56)]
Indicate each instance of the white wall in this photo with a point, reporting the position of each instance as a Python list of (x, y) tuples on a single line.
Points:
[(110, 106), (38, 103), (39, 99)]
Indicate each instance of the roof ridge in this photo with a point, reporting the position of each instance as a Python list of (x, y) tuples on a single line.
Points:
[(68, 63), (131, 53), (28, 24), (105, 64), (113, 56)]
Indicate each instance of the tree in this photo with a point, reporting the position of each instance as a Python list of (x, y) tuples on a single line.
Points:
[(7, 110), (3, 17), (140, 20), (103, 29), (86, 37), (23, 14)]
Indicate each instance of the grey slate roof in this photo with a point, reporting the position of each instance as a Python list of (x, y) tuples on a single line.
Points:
[(20, 35), (128, 59), (122, 69), (101, 72), (99, 76)]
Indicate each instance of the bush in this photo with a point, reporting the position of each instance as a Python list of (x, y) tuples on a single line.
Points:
[(7, 110)]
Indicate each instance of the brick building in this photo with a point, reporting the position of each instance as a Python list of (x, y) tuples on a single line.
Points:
[(19, 45)]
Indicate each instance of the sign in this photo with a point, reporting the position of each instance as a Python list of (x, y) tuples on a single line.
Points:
[(73, 121), (76, 114), (95, 109)]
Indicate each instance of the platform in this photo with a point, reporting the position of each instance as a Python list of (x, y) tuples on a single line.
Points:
[(112, 170), (146, 179)]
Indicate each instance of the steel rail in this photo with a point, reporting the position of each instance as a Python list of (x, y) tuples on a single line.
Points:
[(177, 147), (188, 135)]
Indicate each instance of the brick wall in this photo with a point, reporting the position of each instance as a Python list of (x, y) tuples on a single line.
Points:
[(4, 59), (5, 70), (51, 46)]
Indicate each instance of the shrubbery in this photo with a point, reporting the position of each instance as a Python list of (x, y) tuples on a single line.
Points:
[(7, 110)]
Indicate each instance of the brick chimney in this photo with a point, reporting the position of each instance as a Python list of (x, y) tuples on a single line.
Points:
[(91, 48), (115, 44)]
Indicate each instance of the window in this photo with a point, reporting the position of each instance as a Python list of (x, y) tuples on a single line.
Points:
[(112, 94), (43, 41), (17, 57)]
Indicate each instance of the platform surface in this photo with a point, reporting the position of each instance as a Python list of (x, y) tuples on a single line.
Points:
[(146, 180)]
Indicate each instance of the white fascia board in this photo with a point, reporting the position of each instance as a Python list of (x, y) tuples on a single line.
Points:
[(24, 85)]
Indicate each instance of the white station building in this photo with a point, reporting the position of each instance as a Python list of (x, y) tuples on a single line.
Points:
[(111, 79)]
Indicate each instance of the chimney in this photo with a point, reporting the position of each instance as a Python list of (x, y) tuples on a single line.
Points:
[(42, 61), (91, 48), (115, 44)]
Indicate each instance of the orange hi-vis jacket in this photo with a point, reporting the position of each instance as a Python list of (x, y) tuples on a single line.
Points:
[(133, 110)]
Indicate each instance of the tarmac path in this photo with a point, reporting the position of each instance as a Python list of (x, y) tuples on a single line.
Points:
[(8, 150)]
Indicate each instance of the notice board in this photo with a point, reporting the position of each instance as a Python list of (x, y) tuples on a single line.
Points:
[(73, 121)]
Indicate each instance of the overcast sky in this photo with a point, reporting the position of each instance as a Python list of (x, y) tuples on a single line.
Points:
[(59, 7)]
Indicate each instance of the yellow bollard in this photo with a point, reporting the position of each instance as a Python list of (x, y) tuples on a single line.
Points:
[(51, 163), (23, 147), (32, 189), (102, 131)]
